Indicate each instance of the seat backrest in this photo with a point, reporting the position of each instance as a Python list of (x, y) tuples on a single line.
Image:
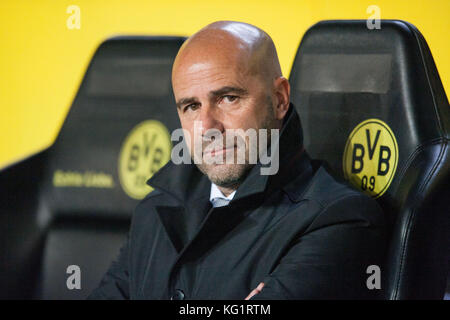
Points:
[(116, 135), (372, 104)]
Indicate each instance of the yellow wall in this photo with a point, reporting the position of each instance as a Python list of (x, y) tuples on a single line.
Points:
[(42, 61)]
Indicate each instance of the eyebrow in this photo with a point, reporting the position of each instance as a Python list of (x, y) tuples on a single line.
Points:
[(215, 93), (228, 89), (184, 101)]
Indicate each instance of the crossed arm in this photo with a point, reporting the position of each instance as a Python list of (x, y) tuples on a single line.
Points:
[(333, 267), (328, 261)]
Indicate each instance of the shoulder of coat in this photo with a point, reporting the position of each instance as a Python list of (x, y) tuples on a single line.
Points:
[(326, 189)]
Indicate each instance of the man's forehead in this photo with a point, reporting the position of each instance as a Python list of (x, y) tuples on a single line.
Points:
[(211, 70), (213, 66), (203, 54)]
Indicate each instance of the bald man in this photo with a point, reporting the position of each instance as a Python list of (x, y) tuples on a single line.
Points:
[(216, 229)]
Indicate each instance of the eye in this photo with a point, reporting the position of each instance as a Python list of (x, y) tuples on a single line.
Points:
[(192, 107), (229, 98)]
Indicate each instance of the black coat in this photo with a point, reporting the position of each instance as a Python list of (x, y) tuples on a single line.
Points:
[(301, 232)]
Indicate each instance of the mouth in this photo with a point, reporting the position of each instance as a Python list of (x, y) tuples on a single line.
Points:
[(218, 152)]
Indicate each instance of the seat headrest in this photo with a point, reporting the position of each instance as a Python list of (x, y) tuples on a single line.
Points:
[(369, 100), (116, 134)]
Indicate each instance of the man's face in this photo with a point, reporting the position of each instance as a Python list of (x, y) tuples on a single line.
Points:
[(220, 92)]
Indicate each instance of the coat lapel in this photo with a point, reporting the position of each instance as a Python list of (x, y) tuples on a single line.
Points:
[(174, 221), (181, 223), (217, 224)]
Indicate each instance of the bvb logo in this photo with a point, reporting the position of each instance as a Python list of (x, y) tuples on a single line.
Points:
[(370, 157), (145, 150)]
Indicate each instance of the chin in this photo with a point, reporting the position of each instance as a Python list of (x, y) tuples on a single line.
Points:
[(225, 175)]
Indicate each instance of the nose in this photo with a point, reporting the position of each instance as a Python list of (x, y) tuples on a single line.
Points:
[(210, 119)]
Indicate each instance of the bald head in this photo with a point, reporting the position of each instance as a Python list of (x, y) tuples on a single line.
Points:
[(237, 43)]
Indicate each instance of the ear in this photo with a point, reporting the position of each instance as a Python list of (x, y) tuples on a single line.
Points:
[(282, 91)]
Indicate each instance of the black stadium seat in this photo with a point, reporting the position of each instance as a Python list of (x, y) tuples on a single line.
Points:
[(372, 104), (71, 204)]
